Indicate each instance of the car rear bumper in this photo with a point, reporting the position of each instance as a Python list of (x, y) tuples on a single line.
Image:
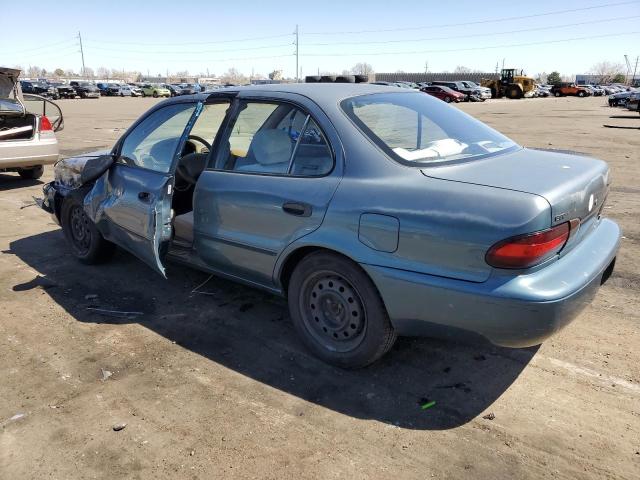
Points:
[(507, 310), (28, 153)]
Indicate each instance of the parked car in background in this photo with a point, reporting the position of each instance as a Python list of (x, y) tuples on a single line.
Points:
[(175, 90), (619, 99), (125, 90), (39, 88), (64, 90), (542, 91), (102, 88), (136, 91), (154, 90), (477, 90), (444, 93), (406, 84), (565, 89), (189, 89), (27, 126), (475, 236), (113, 90), (598, 91), (85, 89)]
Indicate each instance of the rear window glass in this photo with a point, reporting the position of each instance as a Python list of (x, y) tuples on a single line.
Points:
[(417, 129)]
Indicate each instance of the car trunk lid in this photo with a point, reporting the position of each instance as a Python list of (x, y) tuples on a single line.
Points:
[(10, 102), (574, 185)]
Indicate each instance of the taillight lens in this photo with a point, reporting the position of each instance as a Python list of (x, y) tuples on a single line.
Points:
[(525, 251), (45, 124)]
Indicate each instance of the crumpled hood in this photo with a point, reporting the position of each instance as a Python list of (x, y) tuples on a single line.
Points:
[(68, 172)]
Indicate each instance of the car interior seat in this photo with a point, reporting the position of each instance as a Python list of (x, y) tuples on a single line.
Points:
[(269, 152)]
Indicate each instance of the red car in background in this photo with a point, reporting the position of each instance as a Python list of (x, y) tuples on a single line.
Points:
[(443, 93)]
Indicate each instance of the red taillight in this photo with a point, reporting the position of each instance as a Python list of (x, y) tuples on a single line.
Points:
[(45, 124), (525, 251)]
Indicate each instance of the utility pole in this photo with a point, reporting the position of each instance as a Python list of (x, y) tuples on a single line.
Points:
[(297, 55), (81, 53), (426, 67), (635, 69)]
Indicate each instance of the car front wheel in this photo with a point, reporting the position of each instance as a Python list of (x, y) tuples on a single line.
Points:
[(337, 311), (447, 99), (86, 242)]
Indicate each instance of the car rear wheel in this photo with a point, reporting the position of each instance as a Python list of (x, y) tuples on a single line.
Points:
[(155, 94), (558, 94), (86, 242), (31, 173), (337, 311), (581, 94)]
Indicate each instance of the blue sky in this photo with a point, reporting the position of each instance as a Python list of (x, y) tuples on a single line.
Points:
[(159, 36)]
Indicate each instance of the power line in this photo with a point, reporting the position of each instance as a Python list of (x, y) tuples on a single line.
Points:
[(376, 42), (46, 47), (199, 60), (246, 39), (194, 52), (590, 37), (476, 22)]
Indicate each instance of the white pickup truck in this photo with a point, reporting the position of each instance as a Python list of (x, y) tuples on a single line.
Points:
[(27, 128)]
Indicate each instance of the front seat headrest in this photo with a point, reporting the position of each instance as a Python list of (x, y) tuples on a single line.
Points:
[(271, 146)]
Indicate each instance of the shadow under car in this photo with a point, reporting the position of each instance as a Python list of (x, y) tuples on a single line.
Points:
[(249, 332)]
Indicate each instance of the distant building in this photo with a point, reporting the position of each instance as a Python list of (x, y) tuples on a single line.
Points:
[(430, 77)]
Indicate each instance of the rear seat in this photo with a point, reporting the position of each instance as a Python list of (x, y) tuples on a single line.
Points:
[(183, 227)]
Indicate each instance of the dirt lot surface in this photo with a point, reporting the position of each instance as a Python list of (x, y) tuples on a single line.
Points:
[(218, 385)]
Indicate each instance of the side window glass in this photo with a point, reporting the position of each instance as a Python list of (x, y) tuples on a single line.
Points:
[(209, 121), (313, 156), (262, 139), (153, 143)]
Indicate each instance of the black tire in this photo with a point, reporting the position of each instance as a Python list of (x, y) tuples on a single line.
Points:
[(328, 78), (346, 79), (86, 242), (581, 94), (337, 311), (144, 94), (312, 79), (557, 94), (362, 78), (494, 93), (155, 94), (447, 99), (31, 173)]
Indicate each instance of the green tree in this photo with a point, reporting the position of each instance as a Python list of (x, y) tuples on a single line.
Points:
[(553, 77), (619, 78), (58, 72)]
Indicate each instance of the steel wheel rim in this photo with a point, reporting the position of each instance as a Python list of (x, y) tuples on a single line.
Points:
[(333, 311), (80, 231)]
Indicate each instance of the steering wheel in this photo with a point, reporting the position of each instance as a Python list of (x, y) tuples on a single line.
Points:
[(200, 140)]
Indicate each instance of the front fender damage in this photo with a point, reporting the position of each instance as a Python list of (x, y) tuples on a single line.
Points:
[(81, 177)]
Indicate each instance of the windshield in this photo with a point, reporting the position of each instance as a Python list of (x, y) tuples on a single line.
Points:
[(417, 129)]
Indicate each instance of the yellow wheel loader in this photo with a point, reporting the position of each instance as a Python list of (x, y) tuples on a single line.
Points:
[(510, 85)]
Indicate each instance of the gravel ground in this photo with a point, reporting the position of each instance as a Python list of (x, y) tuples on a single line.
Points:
[(218, 385)]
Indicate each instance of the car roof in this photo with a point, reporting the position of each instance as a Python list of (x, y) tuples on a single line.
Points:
[(323, 94)]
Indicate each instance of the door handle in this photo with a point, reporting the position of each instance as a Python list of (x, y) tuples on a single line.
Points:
[(144, 196), (297, 208)]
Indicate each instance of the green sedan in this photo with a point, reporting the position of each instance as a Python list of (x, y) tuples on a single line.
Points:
[(152, 90)]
